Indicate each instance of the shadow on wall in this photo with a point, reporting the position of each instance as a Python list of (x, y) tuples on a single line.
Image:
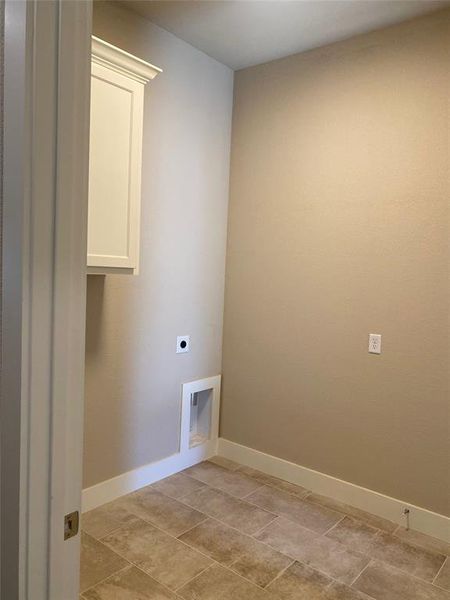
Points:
[(108, 439), (94, 306), (124, 361)]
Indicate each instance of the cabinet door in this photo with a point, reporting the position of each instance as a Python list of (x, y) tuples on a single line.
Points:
[(114, 169)]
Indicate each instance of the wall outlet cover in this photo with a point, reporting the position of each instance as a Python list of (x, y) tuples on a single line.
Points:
[(183, 343), (374, 343)]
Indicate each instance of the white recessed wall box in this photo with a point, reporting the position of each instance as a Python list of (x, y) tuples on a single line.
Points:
[(200, 415)]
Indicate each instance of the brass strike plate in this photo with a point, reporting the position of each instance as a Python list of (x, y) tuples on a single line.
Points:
[(71, 525)]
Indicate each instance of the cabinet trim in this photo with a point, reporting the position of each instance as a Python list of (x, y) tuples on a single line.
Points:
[(122, 62)]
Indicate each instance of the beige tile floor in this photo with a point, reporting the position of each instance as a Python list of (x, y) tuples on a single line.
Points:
[(221, 531)]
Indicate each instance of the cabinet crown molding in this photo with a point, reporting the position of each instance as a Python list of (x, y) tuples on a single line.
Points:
[(110, 56)]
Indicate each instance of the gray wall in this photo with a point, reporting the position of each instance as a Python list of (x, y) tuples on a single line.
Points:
[(338, 227), (133, 376)]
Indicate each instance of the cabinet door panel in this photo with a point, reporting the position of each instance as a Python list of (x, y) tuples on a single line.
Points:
[(114, 180)]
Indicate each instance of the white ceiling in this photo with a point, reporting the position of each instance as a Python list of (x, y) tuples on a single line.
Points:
[(248, 32)]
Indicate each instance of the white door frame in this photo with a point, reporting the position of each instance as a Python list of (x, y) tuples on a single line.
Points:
[(45, 183)]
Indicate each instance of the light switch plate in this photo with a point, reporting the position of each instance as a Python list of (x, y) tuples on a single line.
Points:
[(374, 343)]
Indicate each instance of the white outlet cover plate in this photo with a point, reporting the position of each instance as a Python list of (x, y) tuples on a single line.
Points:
[(183, 343), (374, 343)]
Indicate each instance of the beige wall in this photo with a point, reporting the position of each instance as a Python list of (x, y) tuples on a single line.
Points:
[(133, 376), (338, 227)]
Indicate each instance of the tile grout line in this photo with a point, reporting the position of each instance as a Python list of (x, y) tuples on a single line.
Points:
[(439, 571), (344, 514), (91, 587), (250, 536), (352, 516), (214, 563), (356, 579), (233, 470), (247, 504), (412, 575), (155, 580), (221, 565), (200, 484), (190, 528), (274, 487), (226, 568), (333, 526), (261, 529), (261, 485), (183, 496), (288, 518), (360, 573), (244, 578), (281, 573), (265, 483), (380, 532), (274, 515), (327, 575), (402, 572), (211, 484), (146, 520), (99, 539), (106, 546), (215, 487), (427, 548), (241, 533)]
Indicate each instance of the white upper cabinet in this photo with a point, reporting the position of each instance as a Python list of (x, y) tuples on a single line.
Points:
[(117, 111)]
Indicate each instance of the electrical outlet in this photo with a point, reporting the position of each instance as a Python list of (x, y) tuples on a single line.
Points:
[(183, 343), (374, 343)]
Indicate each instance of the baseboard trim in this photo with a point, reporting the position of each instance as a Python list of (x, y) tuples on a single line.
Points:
[(420, 519), (109, 490)]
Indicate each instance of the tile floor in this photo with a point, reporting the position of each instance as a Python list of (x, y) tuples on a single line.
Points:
[(221, 531)]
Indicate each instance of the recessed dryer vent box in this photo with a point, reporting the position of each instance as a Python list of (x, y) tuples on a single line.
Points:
[(200, 414), (200, 417)]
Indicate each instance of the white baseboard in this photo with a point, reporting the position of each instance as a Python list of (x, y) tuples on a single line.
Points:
[(420, 519), (109, 490)]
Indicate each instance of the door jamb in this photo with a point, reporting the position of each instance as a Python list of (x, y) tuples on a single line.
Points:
[(45, 180)]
